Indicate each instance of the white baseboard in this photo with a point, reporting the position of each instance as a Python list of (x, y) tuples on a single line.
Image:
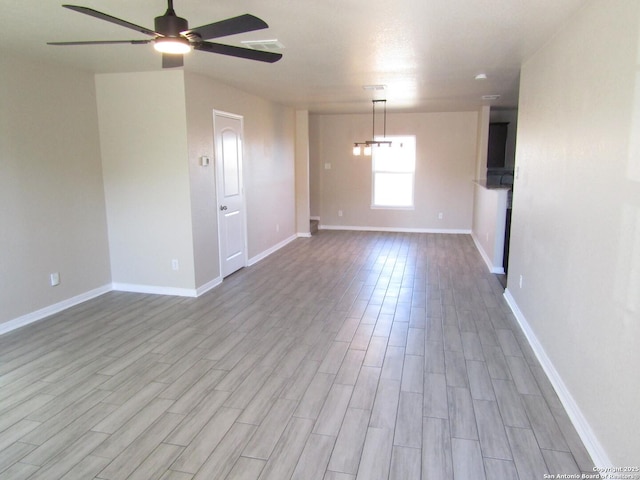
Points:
[(275, 248), (120, 287), (396, 229), (586, 433), (201, 290), (155, 290), (52, 309), (492, 268), (173, 291), (303, 235)]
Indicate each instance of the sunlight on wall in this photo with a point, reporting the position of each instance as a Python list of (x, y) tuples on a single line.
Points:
[(629, 261), (629, 251), (633, 165)]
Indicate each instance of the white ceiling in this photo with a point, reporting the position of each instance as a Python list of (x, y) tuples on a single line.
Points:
[(427, 52)]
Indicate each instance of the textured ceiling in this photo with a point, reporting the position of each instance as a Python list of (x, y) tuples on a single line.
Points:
[(427, 52)]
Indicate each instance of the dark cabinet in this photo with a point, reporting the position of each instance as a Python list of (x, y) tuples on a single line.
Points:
[(497, 145)]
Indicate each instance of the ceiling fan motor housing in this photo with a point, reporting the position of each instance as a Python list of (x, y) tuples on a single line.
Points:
[(170, 25)]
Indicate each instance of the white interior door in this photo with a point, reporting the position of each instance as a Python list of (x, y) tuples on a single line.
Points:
[(230, 192)]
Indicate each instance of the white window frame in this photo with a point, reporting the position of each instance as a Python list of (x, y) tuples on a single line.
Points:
[(396, 142)]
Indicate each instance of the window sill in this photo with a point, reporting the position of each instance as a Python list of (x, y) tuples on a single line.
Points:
[(381, 207)]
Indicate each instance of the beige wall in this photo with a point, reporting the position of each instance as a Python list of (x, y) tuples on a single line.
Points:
[(316, 153), (161, 202), (268, 169), (576, 218), (302, 173), (143, 136), (445, 170), (101, 183), (203, 180), (52, 211)]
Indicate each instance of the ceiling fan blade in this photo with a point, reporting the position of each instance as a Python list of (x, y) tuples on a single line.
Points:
[(172, 60), (240, 52), (230, 26), (103, 16), (103, 42)]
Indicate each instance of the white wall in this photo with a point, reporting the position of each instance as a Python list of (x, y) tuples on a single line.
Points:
[(143, 136), (489, 224), (489, 204), (445, 170), (52, 211), (576, 218), (268, 169)]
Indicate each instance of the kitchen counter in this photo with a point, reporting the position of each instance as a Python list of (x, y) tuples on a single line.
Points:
[(492, 186)]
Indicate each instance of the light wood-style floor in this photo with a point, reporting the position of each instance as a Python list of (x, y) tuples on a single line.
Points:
[(348, 355)]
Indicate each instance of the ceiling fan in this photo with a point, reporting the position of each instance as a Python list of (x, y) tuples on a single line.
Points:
[(173, 37)]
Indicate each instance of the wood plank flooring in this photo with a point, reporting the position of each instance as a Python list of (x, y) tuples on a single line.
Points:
[(345, 356)]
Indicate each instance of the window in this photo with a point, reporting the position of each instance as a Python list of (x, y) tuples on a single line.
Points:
[(393, 173)]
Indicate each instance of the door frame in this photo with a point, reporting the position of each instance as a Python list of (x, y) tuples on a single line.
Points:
[(217, 179)]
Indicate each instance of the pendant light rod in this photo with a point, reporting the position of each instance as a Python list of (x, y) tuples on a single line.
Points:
[(384, 131), (373, 142), (384, 125), (373, 115)]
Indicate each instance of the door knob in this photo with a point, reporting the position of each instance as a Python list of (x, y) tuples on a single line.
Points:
[(223, 208)]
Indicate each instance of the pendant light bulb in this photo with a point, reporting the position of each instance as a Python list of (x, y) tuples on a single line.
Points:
[(357, 150)]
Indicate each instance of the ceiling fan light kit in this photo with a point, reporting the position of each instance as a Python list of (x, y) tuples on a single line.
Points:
[(173, 38), (368, 144), (172, 45)]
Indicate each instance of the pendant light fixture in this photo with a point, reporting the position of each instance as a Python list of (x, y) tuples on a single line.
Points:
[(365, 147)]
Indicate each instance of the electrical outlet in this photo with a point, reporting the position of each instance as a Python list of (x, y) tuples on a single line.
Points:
[(54, 279), (440, 216), (339, 213), (175, 265), (277, 227)]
